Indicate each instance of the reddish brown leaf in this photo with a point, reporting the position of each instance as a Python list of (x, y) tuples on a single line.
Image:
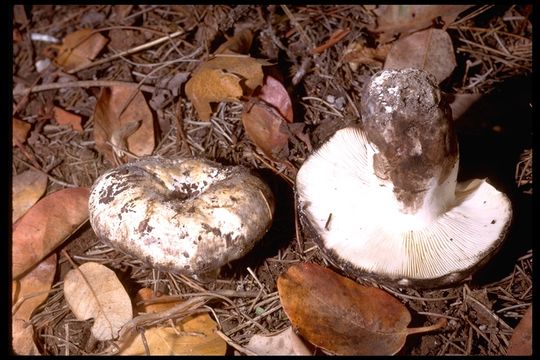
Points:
[(267, 129), (341, 316), (20, 131), (430, 50), (27, 188), (521, 340), (66, 118), (122, 117), (33, 287), (46, 225), (274, 93), (393, 20), (79, 49)]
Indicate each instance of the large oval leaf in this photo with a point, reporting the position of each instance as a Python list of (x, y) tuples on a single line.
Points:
[(342, 316)]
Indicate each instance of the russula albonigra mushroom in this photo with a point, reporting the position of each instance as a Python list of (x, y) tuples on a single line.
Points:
[(185, 215), (383, 201)]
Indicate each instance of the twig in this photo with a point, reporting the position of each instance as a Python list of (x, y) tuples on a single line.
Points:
[(229, 341), (83, 83), (128, 52)]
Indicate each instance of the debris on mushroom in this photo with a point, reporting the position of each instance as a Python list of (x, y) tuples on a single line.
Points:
[(184, 215), (383, 201)]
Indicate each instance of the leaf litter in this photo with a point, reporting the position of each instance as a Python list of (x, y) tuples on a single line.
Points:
[(245, 303)]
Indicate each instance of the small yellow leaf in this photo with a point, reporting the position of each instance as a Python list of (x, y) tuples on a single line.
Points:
[(94, 291), (194, 336), (27, 188)]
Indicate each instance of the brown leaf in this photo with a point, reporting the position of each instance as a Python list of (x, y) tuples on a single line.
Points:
[(195, 335), (521, 340), (94, 291), (357, 53), (285, 343), (33, 287), (341, 316), (22, 334), (117, 107), (267, 129), (223, 78), (144, 295), (393, 20), (20, 131), (46, 225), (26, 189), (240, 43), (66, 118), (79, 49), (274, 93), (430, 50), (212, 85)]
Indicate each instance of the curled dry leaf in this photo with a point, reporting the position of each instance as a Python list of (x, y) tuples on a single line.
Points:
[(521, 340), (119, 108), (32, 289), (223, 78), (20, 131), (195, 335), (94, 291), (26, 189), (79, 49), (430, 50), (342, 317), (285, 343), (22, 334), (393, 20), (267, 129), (28, 293), (357, 53), (64, 117), (274, 93), (240, 43), (46, 225)]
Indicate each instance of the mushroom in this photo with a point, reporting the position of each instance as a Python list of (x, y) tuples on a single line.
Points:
[(383, 201), (184, 215)]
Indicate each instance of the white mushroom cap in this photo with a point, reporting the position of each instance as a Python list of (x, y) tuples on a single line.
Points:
[(184, 215), (395, 212)]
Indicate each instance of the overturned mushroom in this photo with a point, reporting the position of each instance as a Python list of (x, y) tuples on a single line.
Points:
[(183, 215), (384, 202)]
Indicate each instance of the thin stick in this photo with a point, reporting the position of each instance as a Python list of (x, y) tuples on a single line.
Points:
[(128, 52), (83, 84), (229, 341)]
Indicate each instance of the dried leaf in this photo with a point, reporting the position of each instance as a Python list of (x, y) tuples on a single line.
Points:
[(46, 225), (461, 103), (356, 53), (285, 343), (194, 336), (66, 118), (267, 129), (274, 93), (212, 85), (27, 188), (22, 334), (117, 107), (393, 20), (20, 131), (240, 43), (341, 316), (223, 78), (32, 288), (79, 49), (94, 291), (521, 340), (144, 295), (430, 50)]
